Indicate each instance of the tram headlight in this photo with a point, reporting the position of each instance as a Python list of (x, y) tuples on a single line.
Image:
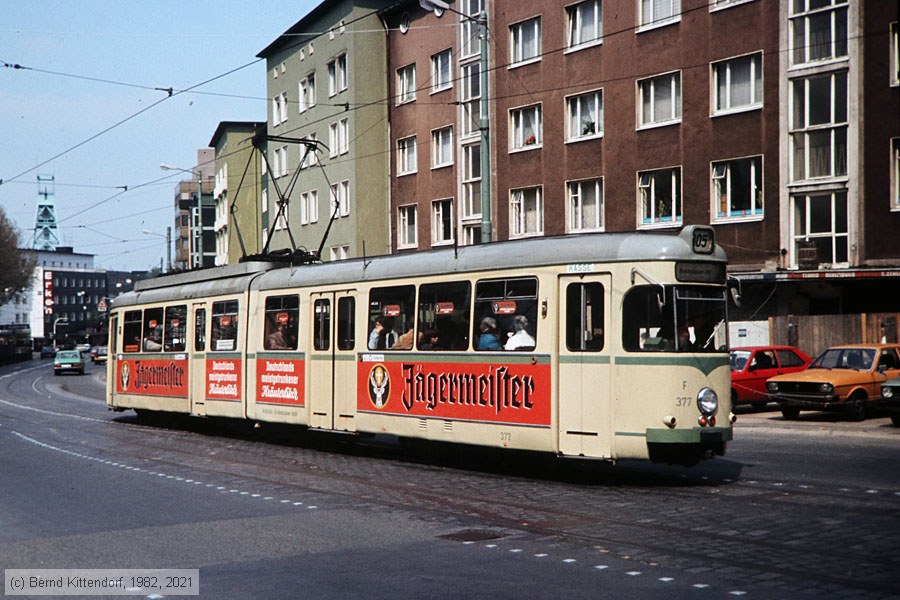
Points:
[(708, 401)]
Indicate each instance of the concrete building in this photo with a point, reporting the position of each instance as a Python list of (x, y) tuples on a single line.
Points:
[(238, 191), (195, 214), (326, 83)]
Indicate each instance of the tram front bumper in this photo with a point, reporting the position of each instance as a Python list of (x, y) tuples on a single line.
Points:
[(687, 446)]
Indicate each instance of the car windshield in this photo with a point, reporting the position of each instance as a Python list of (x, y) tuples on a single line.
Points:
[(739, 359), (858, 359)]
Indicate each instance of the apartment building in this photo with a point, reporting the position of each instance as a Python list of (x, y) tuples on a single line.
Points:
[(327, 86), (238, 190), (776, 121)]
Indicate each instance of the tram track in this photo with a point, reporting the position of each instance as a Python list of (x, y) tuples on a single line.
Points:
[(633, 516)]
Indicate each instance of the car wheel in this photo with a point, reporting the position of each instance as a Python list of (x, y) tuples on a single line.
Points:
[(56, 373), (856, 407), (790, 412), (895, 419)]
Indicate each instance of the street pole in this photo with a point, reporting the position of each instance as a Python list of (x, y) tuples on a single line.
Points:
[(200, 215), (168, 249), (485, 136)]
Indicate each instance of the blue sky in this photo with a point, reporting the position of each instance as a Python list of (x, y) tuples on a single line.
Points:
[(52, 105)]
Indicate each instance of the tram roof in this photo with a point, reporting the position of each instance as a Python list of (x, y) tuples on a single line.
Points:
[(514, 254)]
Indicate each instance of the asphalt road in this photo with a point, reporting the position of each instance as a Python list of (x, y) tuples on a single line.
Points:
[(808, 508)]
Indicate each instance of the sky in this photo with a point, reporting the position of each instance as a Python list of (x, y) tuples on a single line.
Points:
[(84, 110)]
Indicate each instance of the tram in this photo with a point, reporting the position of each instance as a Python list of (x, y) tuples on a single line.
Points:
[(607, 346)]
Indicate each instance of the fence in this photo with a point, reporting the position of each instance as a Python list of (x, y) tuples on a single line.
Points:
[(816, 333)]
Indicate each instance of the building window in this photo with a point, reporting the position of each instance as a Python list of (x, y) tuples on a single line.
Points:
[(585, 205), (660, 197), (659, 100), (818, 30), (525, 128), (654, 13), (738, 84), (442, 147), (339, 138), (281, 221), (525, 41), (820, 223), (819, 126), (339, 253), (471, 98), (526, 212), (279, 109), (337, 75), (441, 222), (895, 174), (895, 54), (406, 227), (309, 207), (469, 28), (340, 199), (585, 24), (406, 84), (440, 71), (584, 116), (406, 156), (307, 92), (737, 188), (470, 201), (309, 156), (281, 164)]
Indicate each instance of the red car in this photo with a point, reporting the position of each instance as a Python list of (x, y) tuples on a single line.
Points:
[(752, 366)]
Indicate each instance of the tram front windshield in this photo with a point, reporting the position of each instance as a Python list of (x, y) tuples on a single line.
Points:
[(659, 318)]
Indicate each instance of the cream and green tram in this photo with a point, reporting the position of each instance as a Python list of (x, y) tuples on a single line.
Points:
[(607, 346)]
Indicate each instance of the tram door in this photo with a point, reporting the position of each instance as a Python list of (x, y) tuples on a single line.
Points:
[(197, 353), (111, 356), (332, 358), (585, 379)]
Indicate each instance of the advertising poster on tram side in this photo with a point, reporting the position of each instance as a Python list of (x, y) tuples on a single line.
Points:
[(280, 381), (515, 394), (223, 379), (152, 377)]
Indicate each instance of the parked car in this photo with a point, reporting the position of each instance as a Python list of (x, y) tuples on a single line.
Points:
[(890, 392), (98, 354), (68, 361), (752, 366), (846, 378), (48, 351), (83, 348)]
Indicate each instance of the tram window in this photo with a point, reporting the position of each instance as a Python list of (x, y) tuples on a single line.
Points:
[(200, 330), (391, 318), (322, 325), (506, 314), (224, 326), (131, 331), (176, 321), (674, 319), (444, 316), (346, 323), (584, 317), (153, 330), (282, 322)]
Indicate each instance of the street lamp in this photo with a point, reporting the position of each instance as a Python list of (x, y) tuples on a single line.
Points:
[(199, 174), (168, 238), (481, 20)]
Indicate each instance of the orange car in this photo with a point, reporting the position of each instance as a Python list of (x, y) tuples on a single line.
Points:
[(846, 378)]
